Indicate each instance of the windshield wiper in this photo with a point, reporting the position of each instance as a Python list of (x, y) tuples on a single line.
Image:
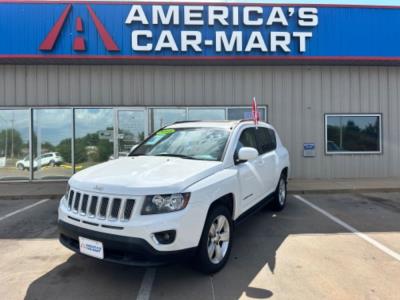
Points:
[(176, 155)]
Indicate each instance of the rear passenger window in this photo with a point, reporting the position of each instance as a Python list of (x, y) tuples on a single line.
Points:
[(273, 138), (266, 140)]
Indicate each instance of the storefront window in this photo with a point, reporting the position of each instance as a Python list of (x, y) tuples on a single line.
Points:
[(238, 113), (160, 117), (131, 130), (101, 134), (212, 114), (14, 144), (94, 136), (52, 136), (353, 134)]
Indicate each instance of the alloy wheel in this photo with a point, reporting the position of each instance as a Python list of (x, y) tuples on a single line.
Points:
[(218, 239), (282, 192)]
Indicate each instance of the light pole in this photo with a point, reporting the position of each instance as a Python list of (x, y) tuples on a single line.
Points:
[(6, 137), (12, 135)]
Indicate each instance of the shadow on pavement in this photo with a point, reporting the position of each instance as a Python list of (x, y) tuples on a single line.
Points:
[(255, 248), (84, 278)]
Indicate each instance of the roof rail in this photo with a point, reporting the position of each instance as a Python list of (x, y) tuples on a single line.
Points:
[(186, 121)]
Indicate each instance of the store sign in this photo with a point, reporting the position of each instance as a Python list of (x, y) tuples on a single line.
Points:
[(267, 28), (104, 30)]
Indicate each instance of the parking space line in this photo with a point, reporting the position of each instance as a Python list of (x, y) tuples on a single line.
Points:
[(212, 287), (363, 236), (147, 284), (23, 209)]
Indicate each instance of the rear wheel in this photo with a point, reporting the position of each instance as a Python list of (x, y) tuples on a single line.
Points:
[(52, 163), (216, 241), (279, 201)]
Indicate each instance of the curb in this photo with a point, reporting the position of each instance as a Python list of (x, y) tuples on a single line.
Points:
[(345, 191)]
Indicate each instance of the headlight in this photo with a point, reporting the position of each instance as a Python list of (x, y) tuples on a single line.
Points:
[(159, 204)]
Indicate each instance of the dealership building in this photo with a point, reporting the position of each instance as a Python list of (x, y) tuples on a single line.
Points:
[(82, 82)]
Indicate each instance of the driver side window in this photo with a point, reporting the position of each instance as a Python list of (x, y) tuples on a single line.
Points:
[(247, 139)]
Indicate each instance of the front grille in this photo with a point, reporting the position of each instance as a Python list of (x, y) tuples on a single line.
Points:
[(77, 200), (115, 208), (128, 208), (83, 209), (71, 199), (99, 207), (103, 207), (93, 206)]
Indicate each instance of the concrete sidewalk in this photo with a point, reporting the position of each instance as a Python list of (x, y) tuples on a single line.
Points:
[(358, 185), (55, 189)]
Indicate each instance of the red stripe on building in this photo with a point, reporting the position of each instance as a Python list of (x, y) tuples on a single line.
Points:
[(79, 24), (52, 36), (107, 39), (79, 44)]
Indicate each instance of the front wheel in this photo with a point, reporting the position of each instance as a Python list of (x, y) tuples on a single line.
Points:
[(279, 201), (20, 167), (216, 241)]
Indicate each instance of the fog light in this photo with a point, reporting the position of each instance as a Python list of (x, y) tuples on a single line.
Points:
[(165, 237)]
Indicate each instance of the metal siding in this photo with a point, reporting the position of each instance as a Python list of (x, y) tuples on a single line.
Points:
[(297, 99), (9, 83)]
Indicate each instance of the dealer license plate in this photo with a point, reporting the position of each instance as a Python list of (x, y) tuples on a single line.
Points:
[(91, 248)]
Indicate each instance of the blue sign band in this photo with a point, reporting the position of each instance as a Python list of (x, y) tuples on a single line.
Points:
[(198, 31)]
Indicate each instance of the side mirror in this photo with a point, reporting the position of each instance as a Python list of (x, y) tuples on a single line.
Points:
[(247, 153)]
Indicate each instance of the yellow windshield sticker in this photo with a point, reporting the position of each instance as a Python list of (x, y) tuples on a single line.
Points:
[(165, 131)]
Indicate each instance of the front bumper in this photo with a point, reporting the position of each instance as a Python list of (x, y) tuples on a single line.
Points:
[(121, 249)]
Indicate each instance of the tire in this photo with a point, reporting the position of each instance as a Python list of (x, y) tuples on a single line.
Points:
[(52, 163), (220, 245), (279, 199), (20, 167)]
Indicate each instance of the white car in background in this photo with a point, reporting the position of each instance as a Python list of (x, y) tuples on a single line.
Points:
[(24, 164), (47, 159), (178, 193), (50, 159)]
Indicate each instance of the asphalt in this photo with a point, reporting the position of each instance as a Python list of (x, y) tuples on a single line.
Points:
[(298, 253), (55, 189)]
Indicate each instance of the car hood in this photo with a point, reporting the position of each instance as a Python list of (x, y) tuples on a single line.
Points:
[(143, 175)]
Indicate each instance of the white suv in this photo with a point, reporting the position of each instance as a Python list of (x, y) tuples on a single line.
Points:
[(180, 192), (50, 159)]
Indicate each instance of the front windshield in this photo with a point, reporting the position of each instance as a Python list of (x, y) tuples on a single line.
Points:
[(189, 143)]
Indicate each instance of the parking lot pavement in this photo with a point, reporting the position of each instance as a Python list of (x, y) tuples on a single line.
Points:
[(297, 254)]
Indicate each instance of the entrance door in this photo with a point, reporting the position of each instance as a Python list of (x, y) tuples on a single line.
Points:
[(132, 129)]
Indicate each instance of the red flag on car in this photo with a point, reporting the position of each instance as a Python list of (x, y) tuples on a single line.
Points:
[(254, 111)]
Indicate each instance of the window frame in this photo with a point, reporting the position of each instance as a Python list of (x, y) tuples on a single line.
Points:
[(329, 153)]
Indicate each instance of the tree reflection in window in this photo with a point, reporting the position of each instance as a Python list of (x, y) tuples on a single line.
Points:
[(94, 136), (353, 133)]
